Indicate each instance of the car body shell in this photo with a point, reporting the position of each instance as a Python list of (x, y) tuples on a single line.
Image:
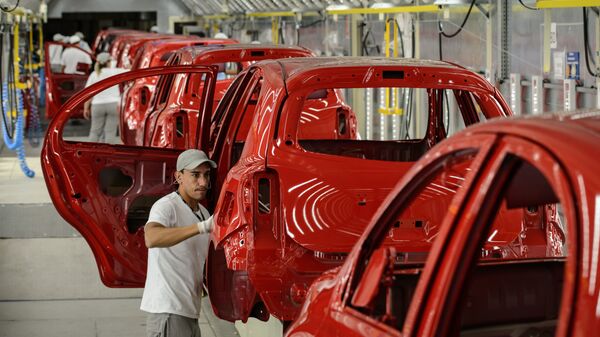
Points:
[(136, 97), (269, 259), (565, 149), (171, 122)]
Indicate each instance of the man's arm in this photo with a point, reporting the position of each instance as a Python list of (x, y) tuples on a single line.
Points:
[(157, 235), (87, 109)]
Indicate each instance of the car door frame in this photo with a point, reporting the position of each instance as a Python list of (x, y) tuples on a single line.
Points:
[(53, 103), (442, 279), (69, 198)]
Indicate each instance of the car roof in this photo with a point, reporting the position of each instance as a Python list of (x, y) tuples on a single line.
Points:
[(295, 66), (573, 138), (296, 72), (546, 127), (195, 51)]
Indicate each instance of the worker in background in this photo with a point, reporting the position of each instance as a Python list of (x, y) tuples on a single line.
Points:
[(72, 56), (103, 107), (154, 29), (177, 235), (82, 44), (55, 53), (221, 35)]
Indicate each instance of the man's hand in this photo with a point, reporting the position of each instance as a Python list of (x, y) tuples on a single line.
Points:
[(86, 113), (206, 226)]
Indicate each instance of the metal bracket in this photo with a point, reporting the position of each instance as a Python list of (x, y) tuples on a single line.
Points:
[(482, 10)]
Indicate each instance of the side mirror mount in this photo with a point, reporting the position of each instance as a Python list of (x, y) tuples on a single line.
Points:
[(368, 286)]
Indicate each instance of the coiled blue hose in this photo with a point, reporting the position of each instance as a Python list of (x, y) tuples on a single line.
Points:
[(17, 142)]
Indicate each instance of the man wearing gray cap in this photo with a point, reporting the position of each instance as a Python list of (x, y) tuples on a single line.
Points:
[(177, 235)]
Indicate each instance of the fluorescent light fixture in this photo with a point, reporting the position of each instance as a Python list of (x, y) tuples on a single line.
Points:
[(452, 2), (380, 5), (337, 7)]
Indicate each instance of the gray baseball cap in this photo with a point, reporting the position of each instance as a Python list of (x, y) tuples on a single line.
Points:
[(190, 159), (103, 58)]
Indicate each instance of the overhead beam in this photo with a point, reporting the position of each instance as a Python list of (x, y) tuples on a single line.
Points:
[(566, 3), (390, 10)]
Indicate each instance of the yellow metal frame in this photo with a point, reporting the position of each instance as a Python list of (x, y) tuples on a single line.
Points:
[(391, 10), (280, 14), (275, 30), (18, 84), (566, 3), (386, 109)]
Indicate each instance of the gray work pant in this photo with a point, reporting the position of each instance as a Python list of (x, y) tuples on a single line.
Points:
[(171, 325), (105, 120)]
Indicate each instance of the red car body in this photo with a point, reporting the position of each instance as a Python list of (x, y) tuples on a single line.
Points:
[(292, 201), (105, 191), (174, 117), (457, 289), (135, 100), (322, 188), (130, 47), (105, 37), (59, 86)]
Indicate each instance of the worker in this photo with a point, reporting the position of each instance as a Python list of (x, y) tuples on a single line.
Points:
[(55, 52), (82, 43), (177, 235), (221, 35), (72, 57), (103, 107)]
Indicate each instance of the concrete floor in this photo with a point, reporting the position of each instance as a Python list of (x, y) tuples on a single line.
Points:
[(49, 282)]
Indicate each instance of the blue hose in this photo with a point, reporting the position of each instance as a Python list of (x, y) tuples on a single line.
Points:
[(17, 142)]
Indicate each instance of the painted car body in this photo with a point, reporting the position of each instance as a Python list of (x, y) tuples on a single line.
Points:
[(320, 188), (174, 115), (453, 292), (136, 97), (105, 37), (131, 46)]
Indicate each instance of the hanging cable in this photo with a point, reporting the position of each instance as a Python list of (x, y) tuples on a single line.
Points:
[(301, 26), (462, 25), (524, 5), (586, 44), (14, 141)]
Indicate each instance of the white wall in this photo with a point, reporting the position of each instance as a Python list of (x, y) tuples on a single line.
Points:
[(163, 8)]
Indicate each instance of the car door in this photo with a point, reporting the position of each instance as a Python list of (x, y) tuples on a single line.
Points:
[(467, 291), (59, 86), (105, 191)]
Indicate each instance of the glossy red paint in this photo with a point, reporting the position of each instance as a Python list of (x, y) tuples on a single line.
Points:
[(60, 87), (459, 289), (173, 120), (105, 191), (105, 37), (136, 97), (319, 204), (130, 47), (119, 42)]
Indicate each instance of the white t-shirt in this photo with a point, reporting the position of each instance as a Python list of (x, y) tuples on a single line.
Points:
[(174, 277), (110, 95), (55, 51), (71, 56)]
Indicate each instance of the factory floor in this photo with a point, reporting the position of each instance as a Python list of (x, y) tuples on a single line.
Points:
[(49, 282)]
